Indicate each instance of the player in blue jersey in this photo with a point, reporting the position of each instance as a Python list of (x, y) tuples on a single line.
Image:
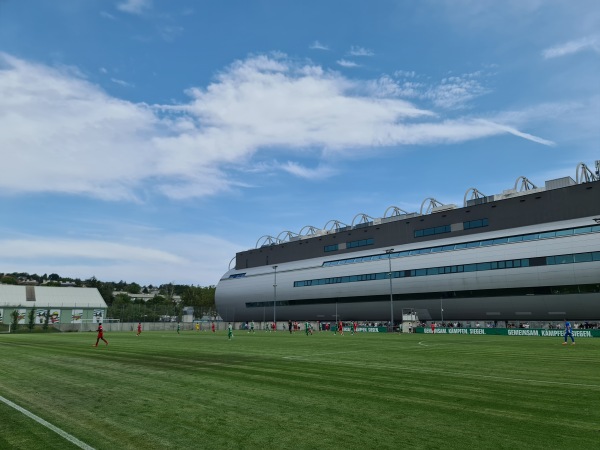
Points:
[(568, 332)]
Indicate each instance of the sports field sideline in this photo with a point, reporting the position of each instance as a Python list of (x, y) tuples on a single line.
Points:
[(276, 390)]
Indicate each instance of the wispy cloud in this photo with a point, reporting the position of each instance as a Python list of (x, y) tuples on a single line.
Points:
[(316, 45), (575, 46), (121, 82), (301, 171), (360, 51), (134, 6), (74, 138), (346, 63), (456, 91)]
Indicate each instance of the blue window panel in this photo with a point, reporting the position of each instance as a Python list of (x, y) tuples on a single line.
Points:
[(564, 259), (550, 260), (473, 244), (419, 233), (485, 222), (515, 239), (432, 271), (436, 249), (448, 247), (500, 241), (568, 232), (583, 257), (460, 246), (530, 237), (596, 256), (470, 267), (509, 264), (525, 262), (493, 265), (582, 230), (420, 272), (548, 234), (487, 243), (517, 263), (596, 228), (484, 266)]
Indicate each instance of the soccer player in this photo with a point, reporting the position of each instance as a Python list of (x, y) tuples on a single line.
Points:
[(178, 327), (354, 325), (229, 331), (341, 328), (100, 331), (252, 326), (197, 326), (212, 327), (433, 327), (568, 332), (139, 329)]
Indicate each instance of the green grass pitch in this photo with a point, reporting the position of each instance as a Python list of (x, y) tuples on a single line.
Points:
[(276, 390)]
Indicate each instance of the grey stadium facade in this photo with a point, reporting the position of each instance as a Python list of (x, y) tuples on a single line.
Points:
[(530, 253)]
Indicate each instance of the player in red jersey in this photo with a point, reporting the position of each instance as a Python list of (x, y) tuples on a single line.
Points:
[(100, 331), (212, 327), (139, 330), (341, 328), (433, 327), (354, 326)]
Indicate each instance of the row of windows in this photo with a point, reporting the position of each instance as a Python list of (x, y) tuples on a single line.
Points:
[(360, 243), (431, 231), (351, 244), (237, 275), (471, 293), (460, 268), (475, 224), (473, 244)]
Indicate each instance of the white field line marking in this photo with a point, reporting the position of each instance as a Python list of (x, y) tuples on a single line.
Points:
[(41, 421), (311, 358)]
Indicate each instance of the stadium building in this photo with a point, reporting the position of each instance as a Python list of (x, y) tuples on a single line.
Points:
[(529, 253), (64, 307)]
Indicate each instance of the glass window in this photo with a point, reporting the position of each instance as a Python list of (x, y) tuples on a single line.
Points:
[(459, 246), (473, 244), (583, 257), (432, 271), (517, 263), (501, 265), (470, 267), (484, 222), (460, 268), (596, 256), (550, 261), (487, 243), (420, 272), (500, 241), (564, 259), (493, 265), (596, 228), (525, 262), (547, 234), (448, 247), (509, 264), (582, 230), (530, 237), (484, 266), (568, 232), (419, 233), (515, 239)]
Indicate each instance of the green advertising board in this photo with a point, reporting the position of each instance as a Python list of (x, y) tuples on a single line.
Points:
[(510, 332)]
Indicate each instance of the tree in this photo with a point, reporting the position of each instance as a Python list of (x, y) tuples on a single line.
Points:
[(15, 320), (7, 279), (54, 277), (133, 288), (31, 319)]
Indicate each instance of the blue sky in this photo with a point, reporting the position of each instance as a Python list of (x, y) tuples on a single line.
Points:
[(149, 140)]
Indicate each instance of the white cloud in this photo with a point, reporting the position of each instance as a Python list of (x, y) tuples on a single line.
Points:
[(575, 46), (134, 6), (307, 173), (61, 133), (121, 82), (456, 91), (178, 258), (346, 63), (316, 45), (360, 51)]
